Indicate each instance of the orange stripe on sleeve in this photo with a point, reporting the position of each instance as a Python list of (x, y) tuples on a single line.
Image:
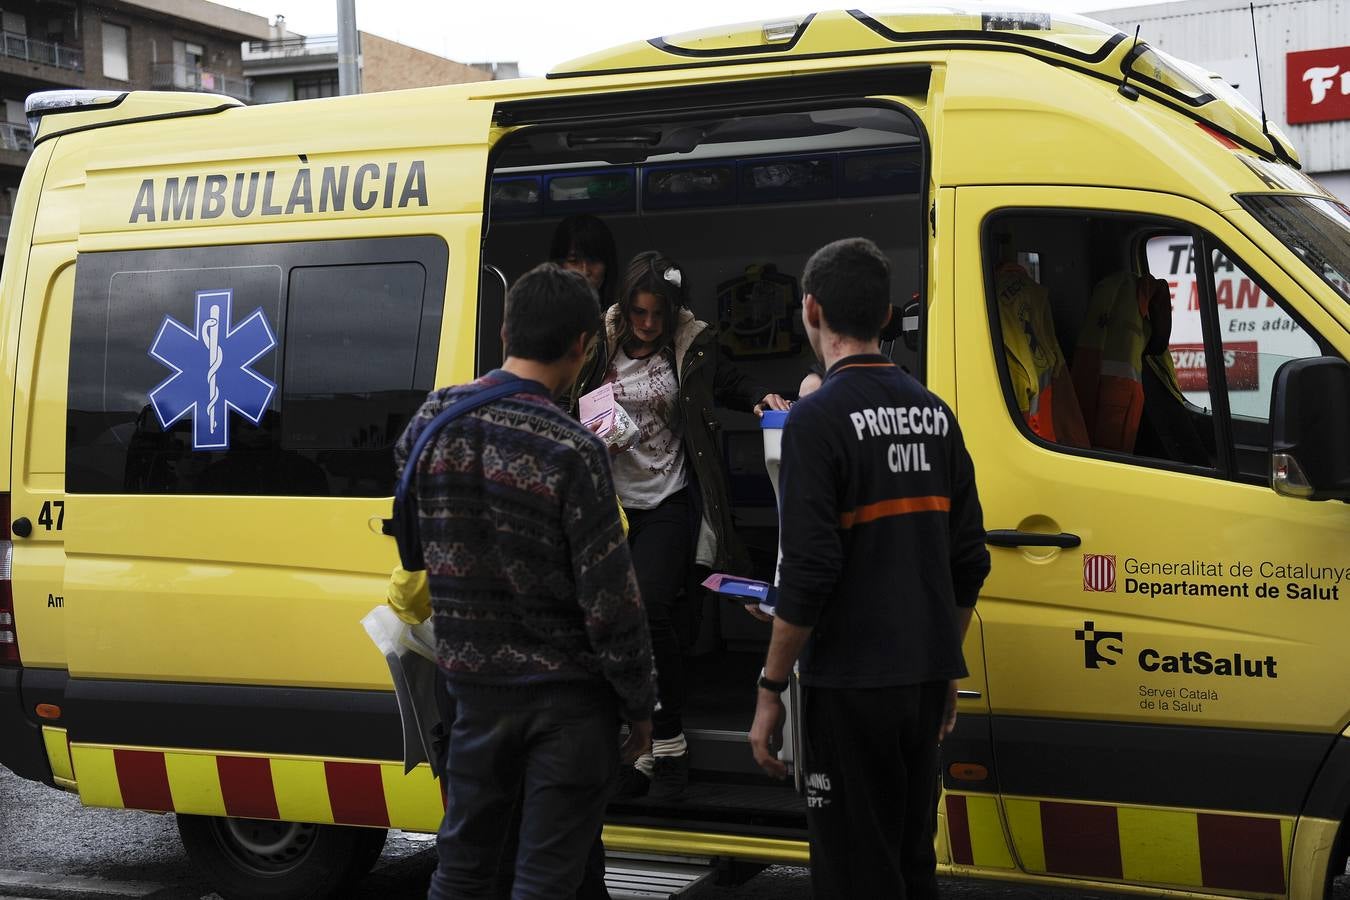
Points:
[(899, 506)]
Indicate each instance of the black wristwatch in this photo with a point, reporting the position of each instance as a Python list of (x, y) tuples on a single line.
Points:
[(769, 685)]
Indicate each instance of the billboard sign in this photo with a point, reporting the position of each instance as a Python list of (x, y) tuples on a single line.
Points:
[(1317, 85)]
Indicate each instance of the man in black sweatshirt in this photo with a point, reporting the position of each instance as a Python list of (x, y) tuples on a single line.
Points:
[(883, 558)]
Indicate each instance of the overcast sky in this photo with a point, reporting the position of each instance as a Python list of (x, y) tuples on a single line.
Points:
[(540, 33)]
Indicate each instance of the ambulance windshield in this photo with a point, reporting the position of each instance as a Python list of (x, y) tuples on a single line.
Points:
[(1316, 229)]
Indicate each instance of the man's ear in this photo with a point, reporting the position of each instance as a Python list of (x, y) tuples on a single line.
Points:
[(811, 308), (578, 348), (503, 337), (890, 311)]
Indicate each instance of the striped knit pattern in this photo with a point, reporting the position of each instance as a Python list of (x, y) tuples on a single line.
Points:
[(531, 580)]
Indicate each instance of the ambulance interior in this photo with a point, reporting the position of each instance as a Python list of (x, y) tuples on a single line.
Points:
[(740, 202)]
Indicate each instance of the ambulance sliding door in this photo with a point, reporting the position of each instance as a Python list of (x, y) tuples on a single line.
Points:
[(237, 384), (1156, 672)]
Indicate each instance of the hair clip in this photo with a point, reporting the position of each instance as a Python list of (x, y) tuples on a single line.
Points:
[(673, 276)]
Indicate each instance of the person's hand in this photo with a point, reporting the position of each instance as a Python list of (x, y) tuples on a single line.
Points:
[(771, 401), (754, 610), (639, 741), (948, 712), (766, 734)]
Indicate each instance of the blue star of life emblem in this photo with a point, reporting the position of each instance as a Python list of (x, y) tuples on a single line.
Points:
[(211, 373)]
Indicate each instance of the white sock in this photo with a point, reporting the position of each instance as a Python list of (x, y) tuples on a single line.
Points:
[(645, 764), (676, 746)]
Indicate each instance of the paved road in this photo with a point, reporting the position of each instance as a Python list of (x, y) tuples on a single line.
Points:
[(51, 847)]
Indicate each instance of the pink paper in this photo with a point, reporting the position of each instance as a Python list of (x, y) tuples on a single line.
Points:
[(597, 410)]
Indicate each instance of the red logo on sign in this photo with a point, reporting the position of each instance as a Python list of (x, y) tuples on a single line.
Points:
[(1317, 85), (1099, 572), (1240, 365)]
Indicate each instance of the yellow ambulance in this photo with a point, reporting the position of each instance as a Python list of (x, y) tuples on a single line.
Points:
[(216, 320)]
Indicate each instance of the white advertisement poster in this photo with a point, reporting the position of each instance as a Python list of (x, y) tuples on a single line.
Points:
[(1258, 336)]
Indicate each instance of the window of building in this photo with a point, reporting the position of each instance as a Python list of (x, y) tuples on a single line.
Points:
[(320, 86), (273, 90), (187, 66), (273, 370), (115, 52)]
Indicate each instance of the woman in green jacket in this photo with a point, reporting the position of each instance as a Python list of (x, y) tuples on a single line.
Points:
[(668, 375)]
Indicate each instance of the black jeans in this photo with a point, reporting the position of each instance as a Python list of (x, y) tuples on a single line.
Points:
[(871, 761), (660, 540), (553, 758)]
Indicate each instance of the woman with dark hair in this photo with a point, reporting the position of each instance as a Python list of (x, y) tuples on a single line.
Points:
[(583, 243), (667, 373)]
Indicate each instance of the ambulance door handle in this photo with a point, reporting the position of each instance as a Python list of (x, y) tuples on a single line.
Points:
[(1013, 538), (22, 527)]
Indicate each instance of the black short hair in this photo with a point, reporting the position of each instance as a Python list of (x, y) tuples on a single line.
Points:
[(588, 237), (546, 310), (851, 280)]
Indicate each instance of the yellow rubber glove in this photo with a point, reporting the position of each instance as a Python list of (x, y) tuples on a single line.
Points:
[(409, 595)]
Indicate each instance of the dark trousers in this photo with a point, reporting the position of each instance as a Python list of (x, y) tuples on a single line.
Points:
[(871, 759), (550, 758), (660, 540)]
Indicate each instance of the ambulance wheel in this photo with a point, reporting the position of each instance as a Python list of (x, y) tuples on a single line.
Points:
[(257, 859)]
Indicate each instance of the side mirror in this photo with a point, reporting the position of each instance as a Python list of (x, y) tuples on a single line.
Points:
[(1310, 429)]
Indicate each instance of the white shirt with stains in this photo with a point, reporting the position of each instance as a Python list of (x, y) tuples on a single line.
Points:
[(653, 468)]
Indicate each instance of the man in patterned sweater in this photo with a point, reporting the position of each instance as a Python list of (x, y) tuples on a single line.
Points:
[(540, 629)]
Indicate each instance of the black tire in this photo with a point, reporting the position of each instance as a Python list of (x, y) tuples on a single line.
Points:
[(256, 859)]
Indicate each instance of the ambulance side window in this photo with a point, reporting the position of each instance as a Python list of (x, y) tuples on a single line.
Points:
[(1093, 355), (350, 376), (267, 370)]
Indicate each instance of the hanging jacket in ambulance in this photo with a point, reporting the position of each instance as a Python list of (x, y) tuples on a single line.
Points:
[(1108, 364), (1036, 365)]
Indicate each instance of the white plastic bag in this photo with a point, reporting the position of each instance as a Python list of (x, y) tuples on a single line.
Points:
[(410, 651)]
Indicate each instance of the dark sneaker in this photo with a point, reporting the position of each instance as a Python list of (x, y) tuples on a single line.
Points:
[(669, 777), (630, 783)]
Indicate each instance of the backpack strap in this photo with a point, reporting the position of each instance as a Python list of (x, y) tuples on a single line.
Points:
[(403, 523)]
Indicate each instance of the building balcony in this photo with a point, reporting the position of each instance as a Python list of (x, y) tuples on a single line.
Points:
[(291, 49), (175, 77), (21, 46), (15, 137)]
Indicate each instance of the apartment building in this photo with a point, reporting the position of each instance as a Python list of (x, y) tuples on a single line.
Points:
[(288, 66), (113, 45)]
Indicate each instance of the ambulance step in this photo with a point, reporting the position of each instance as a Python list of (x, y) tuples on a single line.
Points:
[(649, 879)]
